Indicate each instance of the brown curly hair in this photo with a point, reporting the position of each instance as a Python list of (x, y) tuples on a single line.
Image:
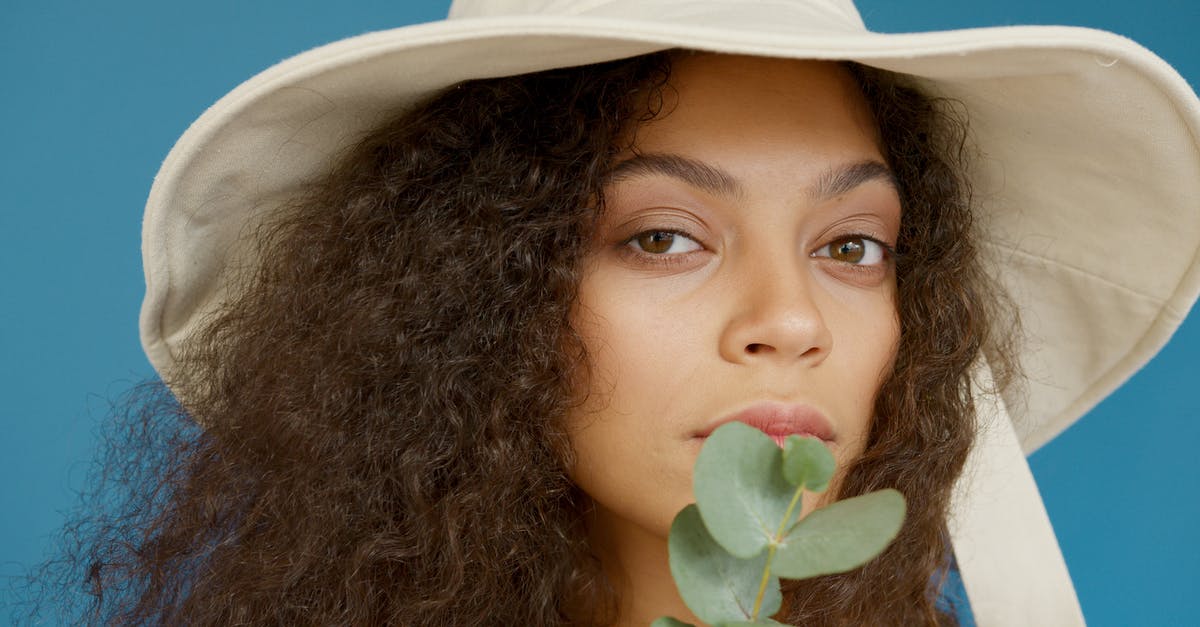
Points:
[(382, 402)]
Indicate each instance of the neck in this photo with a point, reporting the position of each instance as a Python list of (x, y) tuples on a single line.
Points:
[(636, 563)]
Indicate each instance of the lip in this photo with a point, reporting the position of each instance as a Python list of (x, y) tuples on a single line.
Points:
[(778, 421)]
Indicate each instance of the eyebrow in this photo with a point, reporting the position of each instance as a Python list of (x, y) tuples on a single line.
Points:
[(695, 173), (835, 181)]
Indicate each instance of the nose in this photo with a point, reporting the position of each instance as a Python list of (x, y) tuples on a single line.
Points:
[(776, 318)]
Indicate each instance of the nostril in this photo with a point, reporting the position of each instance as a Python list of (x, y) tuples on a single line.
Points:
[(756, 348)]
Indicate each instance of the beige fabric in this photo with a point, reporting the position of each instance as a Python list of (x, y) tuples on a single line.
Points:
[(1087, 185), (1007, 554)]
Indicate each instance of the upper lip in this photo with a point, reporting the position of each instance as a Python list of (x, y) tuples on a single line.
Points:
[(778, 419)]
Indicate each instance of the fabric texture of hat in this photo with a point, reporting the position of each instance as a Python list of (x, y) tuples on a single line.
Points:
[(1087, 189)]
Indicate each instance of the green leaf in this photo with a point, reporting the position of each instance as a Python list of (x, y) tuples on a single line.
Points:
[(669, 621), (841, 536), (740, 488), (765, 622), (715, 585), (807, 463)]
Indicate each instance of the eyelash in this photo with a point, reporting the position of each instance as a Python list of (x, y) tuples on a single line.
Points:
[(659, 259), (668, 260), (888, 253)]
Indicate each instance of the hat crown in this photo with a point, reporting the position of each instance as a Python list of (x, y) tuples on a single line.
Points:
[(794, 16)]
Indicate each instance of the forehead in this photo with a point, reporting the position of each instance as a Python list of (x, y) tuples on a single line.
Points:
[(781, 106)]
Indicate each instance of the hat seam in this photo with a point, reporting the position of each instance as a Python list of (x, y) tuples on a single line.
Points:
[(1161, 302)]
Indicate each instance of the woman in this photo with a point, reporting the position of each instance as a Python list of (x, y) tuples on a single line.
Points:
[(403, 314)]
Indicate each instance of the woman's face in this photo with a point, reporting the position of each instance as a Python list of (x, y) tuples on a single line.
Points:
[(741, 264)]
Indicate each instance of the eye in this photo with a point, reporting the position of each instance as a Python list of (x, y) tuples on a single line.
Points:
[(859, 250), (662, 243)]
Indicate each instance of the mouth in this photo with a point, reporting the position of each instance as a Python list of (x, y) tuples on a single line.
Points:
[(778, 421)]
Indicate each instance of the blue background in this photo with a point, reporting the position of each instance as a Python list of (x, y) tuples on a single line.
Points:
[(95, 94)]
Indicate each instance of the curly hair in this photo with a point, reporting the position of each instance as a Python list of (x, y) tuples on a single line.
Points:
[(382, 401)]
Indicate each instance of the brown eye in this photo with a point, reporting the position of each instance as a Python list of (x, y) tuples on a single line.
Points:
[(858, 250), (656, 242), (663, 242), (848, 250)]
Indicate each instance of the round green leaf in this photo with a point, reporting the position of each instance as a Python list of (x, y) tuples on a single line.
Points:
[(740, 488), (840, 537), (807, 463), (715, 585)]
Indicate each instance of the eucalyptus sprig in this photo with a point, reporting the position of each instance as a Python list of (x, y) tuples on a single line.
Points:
[(729, 549)]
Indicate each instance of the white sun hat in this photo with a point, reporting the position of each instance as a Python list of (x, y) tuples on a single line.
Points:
[(1087, 188)]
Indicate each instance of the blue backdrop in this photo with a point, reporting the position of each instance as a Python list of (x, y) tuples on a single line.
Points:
[(96, 93)]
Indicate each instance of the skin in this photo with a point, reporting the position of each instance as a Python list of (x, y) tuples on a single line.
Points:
[(773, 288)]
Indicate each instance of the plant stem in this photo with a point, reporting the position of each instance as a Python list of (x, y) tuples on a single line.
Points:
[(766, 576), (762, 585)]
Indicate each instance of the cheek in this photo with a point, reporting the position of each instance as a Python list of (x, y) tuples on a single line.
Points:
[(878, 344), (870, 347), (642, 354), (631, 427)]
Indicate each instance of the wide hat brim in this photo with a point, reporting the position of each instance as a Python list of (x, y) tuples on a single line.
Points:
[(1087, 184)]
